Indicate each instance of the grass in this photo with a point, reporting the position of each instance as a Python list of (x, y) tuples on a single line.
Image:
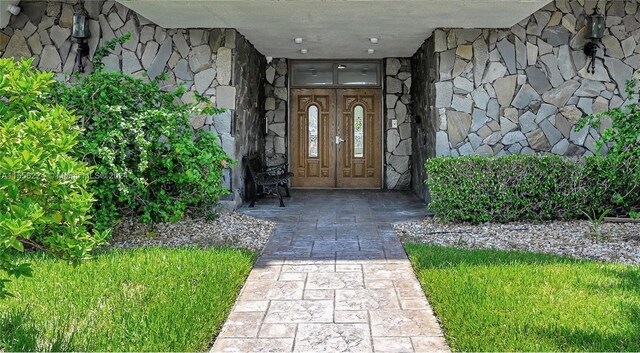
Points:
[(491, 300), (148, 299)]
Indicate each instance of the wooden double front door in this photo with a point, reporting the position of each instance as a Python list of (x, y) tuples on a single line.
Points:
[(336, 138)]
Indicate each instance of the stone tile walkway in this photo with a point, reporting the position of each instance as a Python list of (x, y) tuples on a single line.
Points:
[(333, 278)]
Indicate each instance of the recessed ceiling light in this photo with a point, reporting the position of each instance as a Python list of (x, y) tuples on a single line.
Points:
[(370, 51), (342, 66), (298, 40), (303, 51), (373, 40)]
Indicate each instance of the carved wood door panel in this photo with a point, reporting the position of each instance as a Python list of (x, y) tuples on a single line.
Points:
[(359, 162), (312, 130), (336, 138)]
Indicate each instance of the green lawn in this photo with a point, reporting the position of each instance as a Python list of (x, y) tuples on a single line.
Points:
[(151, 299), (510, 301)]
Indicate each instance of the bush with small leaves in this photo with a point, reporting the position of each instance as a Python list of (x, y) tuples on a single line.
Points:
[(478, 189), (44, 202), (149, 163)]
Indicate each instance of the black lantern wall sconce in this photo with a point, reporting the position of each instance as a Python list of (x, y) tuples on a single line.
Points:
[(595, 32), (80, 31)]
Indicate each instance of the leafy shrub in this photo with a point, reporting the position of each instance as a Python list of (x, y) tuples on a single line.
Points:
[(515, 187), (620, 167), (44, 200), (148, 160)]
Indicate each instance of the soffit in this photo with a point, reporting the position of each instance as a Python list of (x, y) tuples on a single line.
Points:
[(335, 28)]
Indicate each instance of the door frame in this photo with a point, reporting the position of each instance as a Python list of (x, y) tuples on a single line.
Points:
[(383, 113), (381, 125)]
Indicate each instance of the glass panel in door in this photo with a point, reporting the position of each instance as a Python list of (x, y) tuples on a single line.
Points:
[(358, 131)]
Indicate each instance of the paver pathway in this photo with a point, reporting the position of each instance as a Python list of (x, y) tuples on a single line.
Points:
[(333, 278)]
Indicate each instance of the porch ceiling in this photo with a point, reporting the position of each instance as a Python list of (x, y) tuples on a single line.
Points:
[(335, 28)]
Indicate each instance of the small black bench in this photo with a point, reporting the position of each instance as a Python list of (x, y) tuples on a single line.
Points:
[(269, 179)]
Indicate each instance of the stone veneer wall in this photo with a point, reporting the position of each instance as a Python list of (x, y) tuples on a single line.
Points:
[(397, 103), (521, 90), (249, 67), (218, 63), (424, 71), (276, 105)]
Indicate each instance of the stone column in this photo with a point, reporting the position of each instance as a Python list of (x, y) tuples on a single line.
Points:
[(397, 123), (276, 106)]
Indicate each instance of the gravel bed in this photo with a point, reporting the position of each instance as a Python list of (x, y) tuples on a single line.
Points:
[(229, 229), (617, 242)]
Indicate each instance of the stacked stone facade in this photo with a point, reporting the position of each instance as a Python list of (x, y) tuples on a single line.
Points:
[(218, 63), (398, 111), (465, 91), (522, 90), (276, 106), (248, 67), (424, 117)]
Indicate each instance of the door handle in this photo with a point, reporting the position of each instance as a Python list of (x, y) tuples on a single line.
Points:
[(338, 140)]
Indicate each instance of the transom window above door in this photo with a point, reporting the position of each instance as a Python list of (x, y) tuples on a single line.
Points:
[(335, 74)]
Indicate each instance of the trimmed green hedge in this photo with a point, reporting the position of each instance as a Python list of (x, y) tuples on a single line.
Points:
[(516, 187)]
